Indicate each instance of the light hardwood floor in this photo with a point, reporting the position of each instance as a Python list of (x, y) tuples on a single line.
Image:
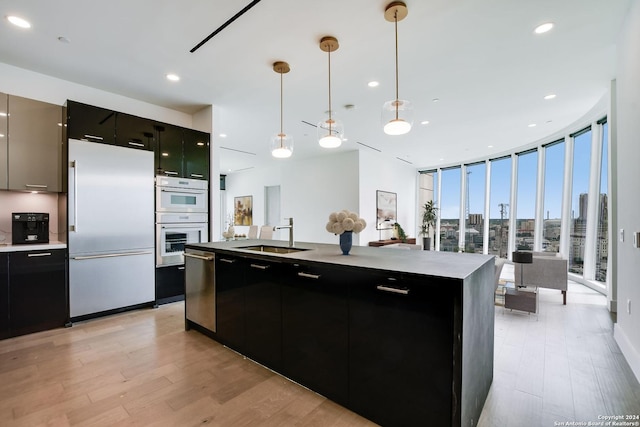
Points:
[(141, 368)]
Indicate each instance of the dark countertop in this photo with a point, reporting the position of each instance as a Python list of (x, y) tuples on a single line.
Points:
[(431, 263)]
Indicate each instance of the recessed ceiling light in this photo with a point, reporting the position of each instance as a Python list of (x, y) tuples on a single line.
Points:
[(550, 96), (436, 99), (532, 125), (543, 28), (222, 135), (489, 146), (19, 22), (424, 122), (373, 83), (173, 77)]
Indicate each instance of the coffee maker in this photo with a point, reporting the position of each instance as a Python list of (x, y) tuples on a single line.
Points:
[(29, 228)]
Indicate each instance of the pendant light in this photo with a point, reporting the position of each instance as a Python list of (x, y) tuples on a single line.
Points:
[(397, 115), (330, 131), (281, 143)]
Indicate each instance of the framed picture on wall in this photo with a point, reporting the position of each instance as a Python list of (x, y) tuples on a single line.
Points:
[(243, 210), (386, 209)]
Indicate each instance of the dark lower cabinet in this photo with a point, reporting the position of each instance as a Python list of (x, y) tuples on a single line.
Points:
[(315, 329), (37, 291), (169, 284), (262, 310), (230, 328), (401, 349), (4, 295)]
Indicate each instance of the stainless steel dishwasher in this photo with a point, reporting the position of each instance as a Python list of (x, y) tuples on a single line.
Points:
[(200, 288)]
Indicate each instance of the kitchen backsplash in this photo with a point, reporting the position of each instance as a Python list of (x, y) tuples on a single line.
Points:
[(14, 201)]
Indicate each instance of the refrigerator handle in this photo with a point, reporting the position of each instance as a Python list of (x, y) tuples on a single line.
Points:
[(74, 227)]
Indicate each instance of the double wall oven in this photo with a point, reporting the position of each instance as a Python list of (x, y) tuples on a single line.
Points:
[(181, 218)]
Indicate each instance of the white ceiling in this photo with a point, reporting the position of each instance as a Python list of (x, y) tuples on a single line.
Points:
[(481, 59)]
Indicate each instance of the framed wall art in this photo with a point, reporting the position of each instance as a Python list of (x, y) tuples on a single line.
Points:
[(243, 210), (386, 209)]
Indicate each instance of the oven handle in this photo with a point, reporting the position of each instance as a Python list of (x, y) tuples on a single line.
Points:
[(194, 225), (182, 190)]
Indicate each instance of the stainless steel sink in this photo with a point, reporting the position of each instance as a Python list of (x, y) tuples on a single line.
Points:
[(273, 249)]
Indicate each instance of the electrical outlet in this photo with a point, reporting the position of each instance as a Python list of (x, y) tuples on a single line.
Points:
[(621, 235), (628, 306)]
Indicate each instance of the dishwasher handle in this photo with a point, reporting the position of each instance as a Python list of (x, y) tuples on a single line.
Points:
[(203, 258)]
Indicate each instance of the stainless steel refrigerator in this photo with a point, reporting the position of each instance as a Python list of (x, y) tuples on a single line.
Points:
[(111, 227)]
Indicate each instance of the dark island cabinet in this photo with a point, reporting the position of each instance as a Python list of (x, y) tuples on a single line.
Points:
[(135, 132), (315, 328), (407, 380), (89, 123), (196, 154), (4, 296), (263, 320), (229, 279), (37, 291)]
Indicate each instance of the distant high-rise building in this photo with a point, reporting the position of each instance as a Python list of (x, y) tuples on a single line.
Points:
[(584, 201)]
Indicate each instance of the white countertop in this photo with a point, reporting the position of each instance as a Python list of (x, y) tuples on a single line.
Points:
[(8, 247)]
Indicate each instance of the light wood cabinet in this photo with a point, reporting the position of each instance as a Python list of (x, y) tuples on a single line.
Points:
[(34, 145), (3, 140)]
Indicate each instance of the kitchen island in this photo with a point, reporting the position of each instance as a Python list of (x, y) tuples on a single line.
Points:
[(400, 337)]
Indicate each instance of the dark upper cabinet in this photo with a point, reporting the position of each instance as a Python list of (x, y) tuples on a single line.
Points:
[(4, 296), (169, 152), (135, 132), (408, 379), (37, 291), (315, 328), (34, 145), (196, 154), (4, 109), (89, 123)]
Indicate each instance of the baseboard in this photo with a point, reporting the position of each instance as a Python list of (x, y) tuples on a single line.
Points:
[(629, 352)]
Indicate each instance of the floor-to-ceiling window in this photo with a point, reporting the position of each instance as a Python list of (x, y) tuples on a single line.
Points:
[(474, 207), (450, 209), (553, 179), (526, 199), (499, 194), (602, 239), (579, 199)]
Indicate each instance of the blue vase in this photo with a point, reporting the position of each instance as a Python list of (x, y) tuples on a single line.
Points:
[(346, 239)]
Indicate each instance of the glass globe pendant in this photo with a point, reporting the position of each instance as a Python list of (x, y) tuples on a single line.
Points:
[(281, 143), (330, 131), (397, 114)]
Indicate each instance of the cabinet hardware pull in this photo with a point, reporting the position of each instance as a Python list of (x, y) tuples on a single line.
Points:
[(137, 144), (74, 227), (197, 175), (40, 254), (94, 137), (258, 266), (36, 185), (171, 173), (228, 261), (392, 290), (308, 275), (204, 258), (80, 258), (180, 268)]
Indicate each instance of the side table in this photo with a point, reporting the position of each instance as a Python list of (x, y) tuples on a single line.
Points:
[(521, 298)]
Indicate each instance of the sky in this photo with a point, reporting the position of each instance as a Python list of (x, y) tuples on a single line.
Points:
[(526, 191)]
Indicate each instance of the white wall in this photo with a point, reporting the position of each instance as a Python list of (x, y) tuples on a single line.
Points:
[(28, 84), (627, 264), (310, 189), (313, 188), (378, 172)]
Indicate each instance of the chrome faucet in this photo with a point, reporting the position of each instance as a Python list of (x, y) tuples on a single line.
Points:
[(290, 227)]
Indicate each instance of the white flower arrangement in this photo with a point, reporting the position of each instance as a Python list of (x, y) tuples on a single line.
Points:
[(342, 221)]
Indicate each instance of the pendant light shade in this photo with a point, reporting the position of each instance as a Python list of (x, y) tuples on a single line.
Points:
[(281, 143), (397, 114), (330, 130)]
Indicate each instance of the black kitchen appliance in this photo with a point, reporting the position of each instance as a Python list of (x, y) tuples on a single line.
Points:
[(29, 228)]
